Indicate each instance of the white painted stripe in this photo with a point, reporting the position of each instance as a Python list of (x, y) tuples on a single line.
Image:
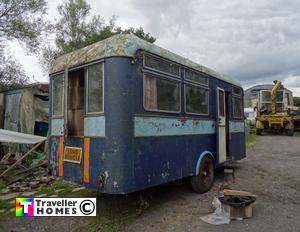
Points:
[(57, 127), (94, 126), (155, 126), (236, 127)]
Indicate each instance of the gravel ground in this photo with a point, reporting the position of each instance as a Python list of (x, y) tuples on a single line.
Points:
[(271, 171)]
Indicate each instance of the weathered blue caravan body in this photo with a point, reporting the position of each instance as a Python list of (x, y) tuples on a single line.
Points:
[(126, 115)]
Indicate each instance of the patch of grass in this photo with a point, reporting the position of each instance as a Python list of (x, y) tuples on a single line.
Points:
[(297, 133), (56, 185), (251, 141), (2, 185), (5, 205)]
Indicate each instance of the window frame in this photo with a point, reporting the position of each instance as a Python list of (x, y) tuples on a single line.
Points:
[(164, 60), (63, 94), (87, 113), (198, 83), (200, 86), (270, 102), (240, 97), (178, 81)]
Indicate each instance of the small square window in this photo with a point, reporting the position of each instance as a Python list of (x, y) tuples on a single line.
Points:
[(161, 65)]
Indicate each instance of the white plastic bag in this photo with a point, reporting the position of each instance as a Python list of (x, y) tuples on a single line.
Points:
[(218, 217)]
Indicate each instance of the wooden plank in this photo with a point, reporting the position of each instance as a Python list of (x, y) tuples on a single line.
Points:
[(231, 192), (23, 157)]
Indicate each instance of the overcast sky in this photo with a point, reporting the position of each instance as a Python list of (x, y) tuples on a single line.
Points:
[(253, 41)]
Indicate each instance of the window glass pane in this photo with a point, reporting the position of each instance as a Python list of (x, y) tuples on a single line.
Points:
[(237, 91), (161, 65), (195, 76), (196, 99), (279, 107), (237, 107), (57, 95), (221, 103), (95, 88), (279, 96), (267, 106), (266, 96), (161, 94)]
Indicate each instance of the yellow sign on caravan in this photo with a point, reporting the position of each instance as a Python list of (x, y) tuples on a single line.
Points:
[(73, 154)]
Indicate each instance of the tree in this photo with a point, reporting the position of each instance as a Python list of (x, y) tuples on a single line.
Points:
[(296, 101), (21, 20), (74, 30)]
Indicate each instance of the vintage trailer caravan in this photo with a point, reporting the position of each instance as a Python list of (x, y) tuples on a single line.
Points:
[(127, 115)]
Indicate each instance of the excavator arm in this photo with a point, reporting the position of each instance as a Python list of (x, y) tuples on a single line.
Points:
[(274, 91)]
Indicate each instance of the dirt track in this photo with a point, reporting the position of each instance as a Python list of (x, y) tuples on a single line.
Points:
[(271, 171)]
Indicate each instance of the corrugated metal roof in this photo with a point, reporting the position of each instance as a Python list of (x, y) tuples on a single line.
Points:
[(126, 45)]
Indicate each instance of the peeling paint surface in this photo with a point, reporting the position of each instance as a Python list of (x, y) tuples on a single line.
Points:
[(154, 126), (125, 45), (94, 126), (236, 127), (57, 127)]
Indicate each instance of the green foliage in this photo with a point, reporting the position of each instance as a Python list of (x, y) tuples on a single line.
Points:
[(251, 141), (20, 20), (77, 28), (12, 74), (296, 101)]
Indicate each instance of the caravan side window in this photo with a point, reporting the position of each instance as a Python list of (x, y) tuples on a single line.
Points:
[(161, 94), (196, 99), (94, 92), (57, 95), (237, 107), (237, 103)]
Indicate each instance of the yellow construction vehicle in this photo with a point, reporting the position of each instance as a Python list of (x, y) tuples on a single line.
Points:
[(274, 121)]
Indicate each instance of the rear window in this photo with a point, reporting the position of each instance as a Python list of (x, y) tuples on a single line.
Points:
[(95, 88), (57, 95)]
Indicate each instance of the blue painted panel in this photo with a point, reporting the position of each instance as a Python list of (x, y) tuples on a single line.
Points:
[(160, 160), (94, 126), (236, 127), (158, 126), (57, 127), (97, 160), (237, 146), (73, 171), (53, 155)]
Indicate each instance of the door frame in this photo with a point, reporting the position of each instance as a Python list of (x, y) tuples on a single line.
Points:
[(222, 121)]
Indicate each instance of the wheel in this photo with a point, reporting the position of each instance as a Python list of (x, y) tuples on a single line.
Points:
[(258, 131), (204, 181)]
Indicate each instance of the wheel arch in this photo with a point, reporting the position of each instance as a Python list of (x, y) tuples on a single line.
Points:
[(203, 154)]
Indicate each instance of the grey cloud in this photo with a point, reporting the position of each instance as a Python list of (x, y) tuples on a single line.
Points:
[(253, 41)]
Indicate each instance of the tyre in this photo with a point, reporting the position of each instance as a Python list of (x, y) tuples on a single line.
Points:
[(258, 131), (204, 181)]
